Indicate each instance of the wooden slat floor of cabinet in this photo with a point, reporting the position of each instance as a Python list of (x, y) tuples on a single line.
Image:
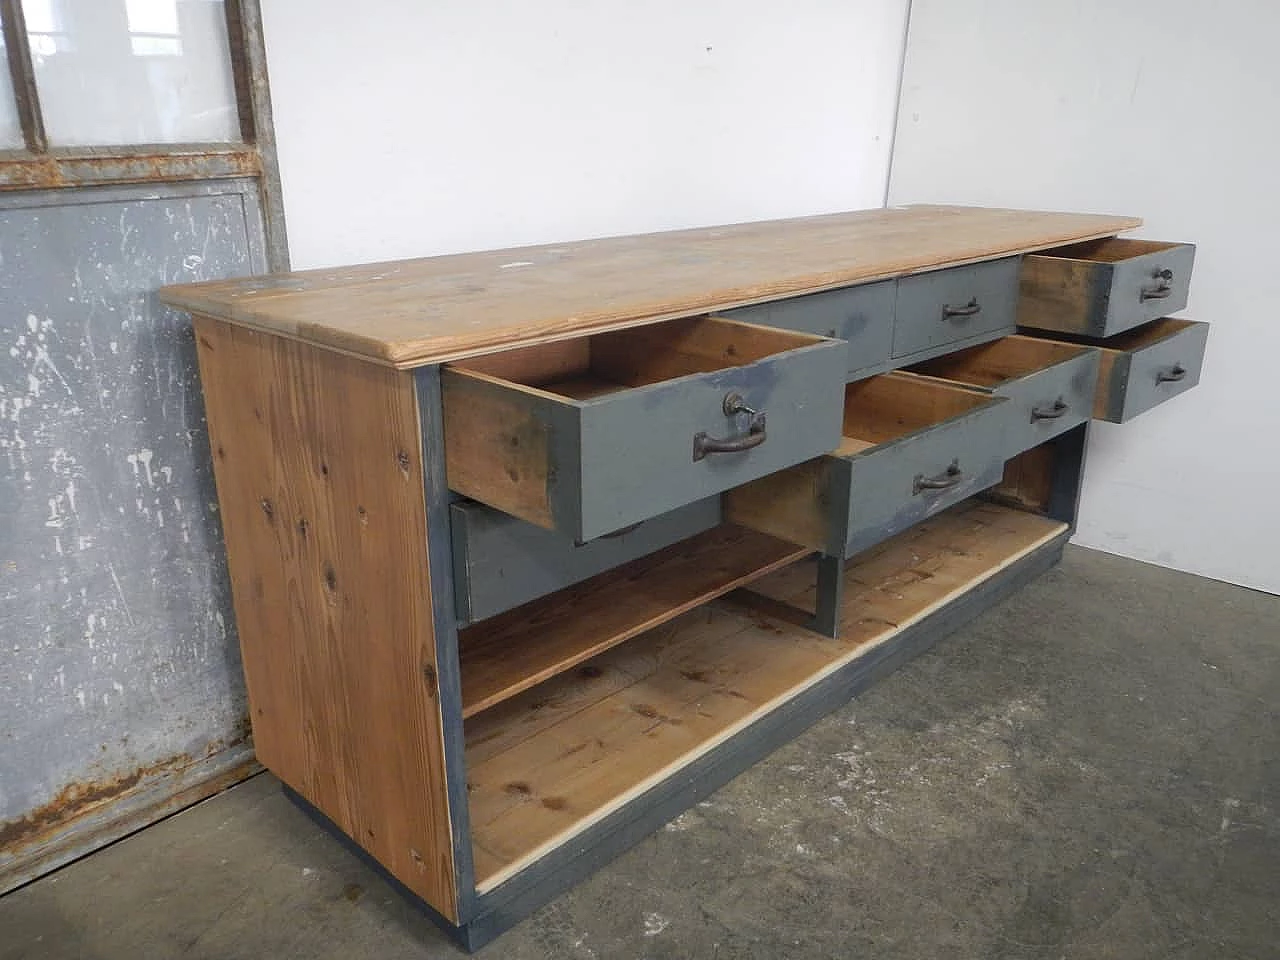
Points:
[(547, 764), (516, 650)]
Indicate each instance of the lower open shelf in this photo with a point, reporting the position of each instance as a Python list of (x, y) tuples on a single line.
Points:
[(551, 761)]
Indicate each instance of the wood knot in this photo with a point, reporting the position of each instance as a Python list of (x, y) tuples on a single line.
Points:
[(330, 578), (429, 675), (402, 458)]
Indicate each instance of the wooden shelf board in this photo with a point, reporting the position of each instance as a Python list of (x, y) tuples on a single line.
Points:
[(509, 653), (548, 763)]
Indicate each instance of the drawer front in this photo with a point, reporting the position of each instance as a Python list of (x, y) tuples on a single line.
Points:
[(1143, 369), (500, 562), (912, 446), (622, 431), (896, 485), (948, 306), (638, 448), (1105, 287), (1050, 385), (1049, 402), (862, 316)]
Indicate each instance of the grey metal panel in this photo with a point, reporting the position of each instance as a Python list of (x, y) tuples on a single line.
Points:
[(921, 319), (637, 445), (121, 673), (1140, 378), (1064, 390), (500, 561), (883, 494), (861, 315)]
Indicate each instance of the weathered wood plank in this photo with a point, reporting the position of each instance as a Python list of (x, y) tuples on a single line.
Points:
[(318, 463), (414, 312), (519, 649), (536, 780)]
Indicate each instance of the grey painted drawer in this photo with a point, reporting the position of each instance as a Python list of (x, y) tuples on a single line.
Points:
[(1050, 386), (912, 446), (500, 562), (959, 303), (1104, 287), (861, 315), (1147, 366), (590, 435)]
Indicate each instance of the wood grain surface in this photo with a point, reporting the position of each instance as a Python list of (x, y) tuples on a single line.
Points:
[(509, 653), (413, 312), (548, 763), (319, 470)]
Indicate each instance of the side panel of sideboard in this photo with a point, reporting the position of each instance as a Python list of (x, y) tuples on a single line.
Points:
[(319, 468)]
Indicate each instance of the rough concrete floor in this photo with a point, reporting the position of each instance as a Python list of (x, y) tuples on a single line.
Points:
[(1090, 770)]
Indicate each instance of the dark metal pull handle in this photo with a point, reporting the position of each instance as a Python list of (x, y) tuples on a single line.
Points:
[(948, 478), (1179, 372), (1059, 407), (704, 443), (1162, 289), (970, 309)]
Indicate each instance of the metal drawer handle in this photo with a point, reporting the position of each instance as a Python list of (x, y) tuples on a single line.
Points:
[(970, 309), (1059, 407), (704, 443), (1179, 372), (948, 478), (1162, 289)]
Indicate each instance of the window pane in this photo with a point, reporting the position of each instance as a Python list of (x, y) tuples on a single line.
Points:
[(10, 129), (116, 72)]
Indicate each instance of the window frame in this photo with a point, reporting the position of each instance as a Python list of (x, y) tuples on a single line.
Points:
[(38, 166)]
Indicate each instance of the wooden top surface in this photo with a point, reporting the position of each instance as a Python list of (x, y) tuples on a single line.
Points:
[(412, 312)]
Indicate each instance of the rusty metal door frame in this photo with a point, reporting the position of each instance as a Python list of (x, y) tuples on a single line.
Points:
[(93, 814), (40, 166)]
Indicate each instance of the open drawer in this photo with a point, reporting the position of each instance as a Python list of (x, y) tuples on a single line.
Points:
[(911, 446), (1104, 287), (590, 435), (1145, 367), (1050, 385)]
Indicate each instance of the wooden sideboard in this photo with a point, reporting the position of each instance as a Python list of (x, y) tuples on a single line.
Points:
[(531, 549)]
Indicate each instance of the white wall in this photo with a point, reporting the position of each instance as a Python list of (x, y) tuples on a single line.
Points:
[(408, 129), (1168, 110)]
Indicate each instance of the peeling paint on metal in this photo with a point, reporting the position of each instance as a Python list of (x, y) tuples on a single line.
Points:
[(120, 661)]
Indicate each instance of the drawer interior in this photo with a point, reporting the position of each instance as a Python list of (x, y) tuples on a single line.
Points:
[(893, 405), (999, 362), (1108, 250), (594, 366), (1142, 337)]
